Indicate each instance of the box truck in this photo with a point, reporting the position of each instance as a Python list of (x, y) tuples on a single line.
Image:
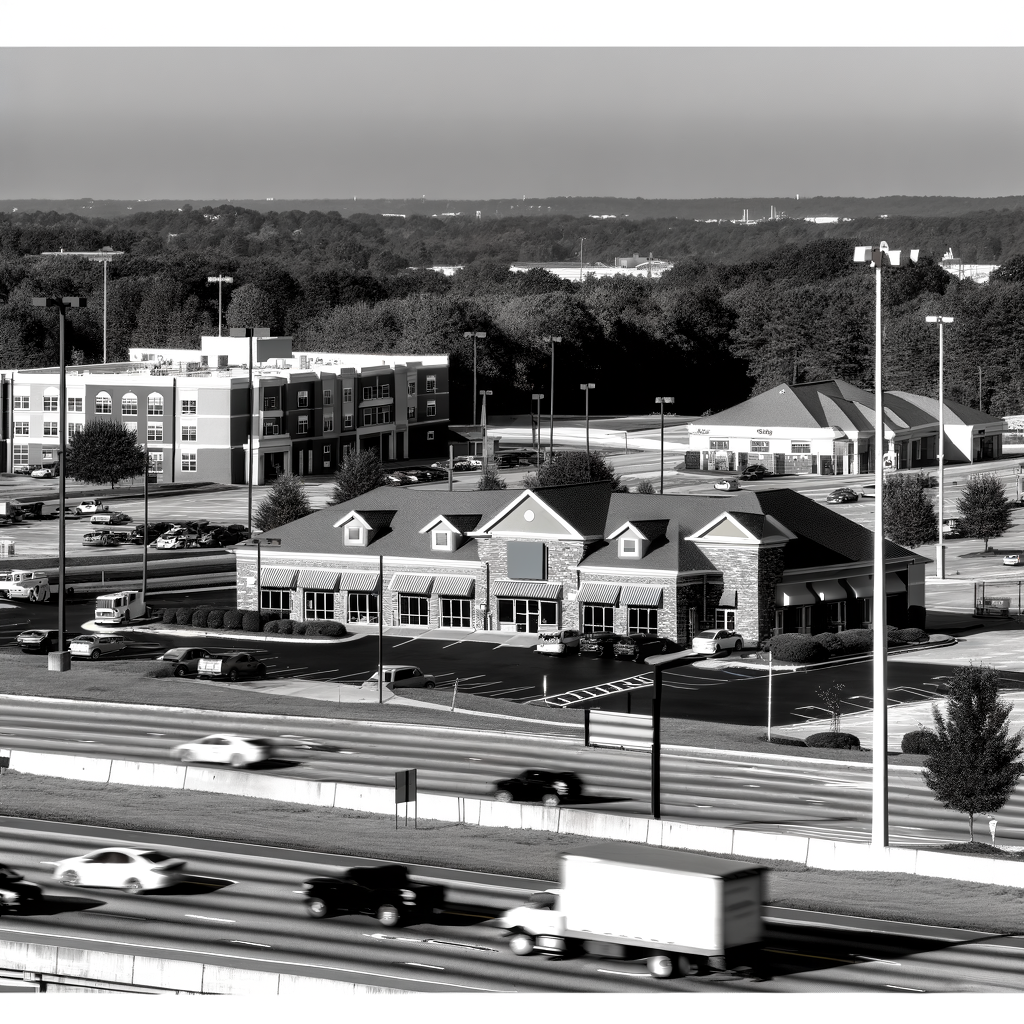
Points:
[(676, 910), (120, 608)]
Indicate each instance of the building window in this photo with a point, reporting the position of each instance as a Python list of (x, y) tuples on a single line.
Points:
[(103, 404), (836, 613), (155, 405), (759, 446), (597, 618), (47, 454), (20, 454), (378, 414), (21, 401), (51, 403), (431, 409), (76, 405), (346, 451), (441, 540), (21, 428), (319, 604), (410, 412), (156, 462), (188, 432), (430, 435), (363, 607), (431, 384), (51, 428), (271, 427), (346, 394), (413, 611), (410, 388), (725, 618), (719, 446), (642, 620), (188, 407), (303, 399), (348, 421), (527, 615), (75, 428), (155, 432), (188, 462), (801, 448), (354, 535), (381, 391), (456, 613), (327, 456), (270, 401), (129, 405), (328, 396), (131, 425), (303, 427), (276, 603), (629, 547), (328, 424)]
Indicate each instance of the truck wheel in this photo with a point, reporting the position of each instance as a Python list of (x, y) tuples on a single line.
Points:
[(661, 966), (503, 796), (316, 908), (127, 617), (521, 944), (683, 966), (550, 800), (33, 597), (388, 915)]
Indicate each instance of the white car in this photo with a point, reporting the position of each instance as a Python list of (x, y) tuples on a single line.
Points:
[(95, 645), (558, 641), (119, 867), (1014, 559), (225, 748), (727, 485), (91, 506), (44, 473), (403, 675), (179, 538), (711, 641)]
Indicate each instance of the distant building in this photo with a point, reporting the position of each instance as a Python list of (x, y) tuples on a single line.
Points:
[(625, 266), (977, 272)]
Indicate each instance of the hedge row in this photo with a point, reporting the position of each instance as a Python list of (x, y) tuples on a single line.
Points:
[(247, 619), (292, 628), (803, 649), (833, 740), (920, 741)]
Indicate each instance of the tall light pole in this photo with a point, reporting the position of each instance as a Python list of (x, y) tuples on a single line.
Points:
[(475, 336), (586, 389), (63, 662), (663, 401), (538, 398), (940, 548), (104, 256), (220, 282), (552, 340), (250, 333), (876, 256)]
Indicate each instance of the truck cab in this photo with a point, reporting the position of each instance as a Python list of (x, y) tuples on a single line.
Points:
[(120, 608), (536, 926), (25, 585)]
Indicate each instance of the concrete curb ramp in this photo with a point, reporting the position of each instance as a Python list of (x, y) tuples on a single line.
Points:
[(830, 855)]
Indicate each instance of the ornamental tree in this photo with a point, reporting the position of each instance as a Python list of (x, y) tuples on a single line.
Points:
[(358, 473), (490, 481), (286, 502), (982, 508), (909, 515), (571, 467), (104, 452)]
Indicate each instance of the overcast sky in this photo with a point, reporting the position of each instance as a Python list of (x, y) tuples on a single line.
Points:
[(477, 123)]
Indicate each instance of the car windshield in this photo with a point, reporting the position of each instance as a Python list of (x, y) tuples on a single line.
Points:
[(6, 872), (708, 634), (154, 858)]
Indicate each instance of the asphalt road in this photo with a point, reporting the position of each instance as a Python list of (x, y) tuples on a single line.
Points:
[(238, 908)]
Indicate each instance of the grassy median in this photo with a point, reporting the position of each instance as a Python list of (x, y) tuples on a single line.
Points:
[(523, 853)]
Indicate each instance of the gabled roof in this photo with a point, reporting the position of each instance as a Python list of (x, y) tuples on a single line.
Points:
[(955, 412), (461, 524), (581, 508), (648, 529)]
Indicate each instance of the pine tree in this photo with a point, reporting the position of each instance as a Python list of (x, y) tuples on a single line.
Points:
[(490, 481), (104, 452), (359, 472), (571, 467), (975, 764), (286, 502), (983, 509), (910, 517)]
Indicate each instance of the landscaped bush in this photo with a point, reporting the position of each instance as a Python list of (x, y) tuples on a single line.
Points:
[(327, 628), (185, 614), (911, 635), (285, 626), (251, 621), (201, 616), (300, 628), (830, 641), (232, 618), (215, 620), (271, 626), (169, 616), (920, 741), (853, 641), (797, 647), (833, 740)]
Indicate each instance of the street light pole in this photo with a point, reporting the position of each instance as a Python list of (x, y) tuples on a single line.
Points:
[(876, 256), (220, 281), (663, 401), (538, 398), (940, 548), (104, 256), (483, 422), (586, 389), (250, 333), (552, 340), (474, 335)]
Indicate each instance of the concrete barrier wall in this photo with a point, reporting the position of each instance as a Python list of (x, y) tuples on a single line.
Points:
[(827, 854)]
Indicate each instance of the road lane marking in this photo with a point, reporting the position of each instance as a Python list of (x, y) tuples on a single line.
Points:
[(219, 920), (903, 988), (808, 956), (429, 967), (260, 945), (462, 945), (875, 960), (392, 938), (624, 974)]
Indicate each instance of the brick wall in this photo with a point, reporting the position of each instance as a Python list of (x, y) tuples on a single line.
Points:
[(753, 573)]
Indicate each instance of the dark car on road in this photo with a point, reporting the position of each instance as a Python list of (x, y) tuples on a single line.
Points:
[(841, 495), (637, 646), (550, 788), (38, 641), (384, 892), (599, 644), (754, 472), (235, 666), (185, 660), (16, 893)]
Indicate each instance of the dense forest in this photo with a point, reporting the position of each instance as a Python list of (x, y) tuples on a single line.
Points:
[(746, 306)]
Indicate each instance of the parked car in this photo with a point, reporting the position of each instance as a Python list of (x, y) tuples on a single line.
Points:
[(638, 646), (841, 495), (90, 506), (96, 645), (383, 891), (951, 528), (404, 675), (16, 893), (178, 537), (1013, 559), (399, 479), (231, 666), (558, 641), (238, 531), (37, 641), (550, 788), (226, 748), (732, 484), (425, 473), (45, 472), (711, 641), (599, 644), (214, 537), (70, 512), (154, 531), (110, 519), (184, 659), (24, 470), (755, 471), (119, 867), (99, 539)]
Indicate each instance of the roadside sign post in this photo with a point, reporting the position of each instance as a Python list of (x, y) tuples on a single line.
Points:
[(405, 793), (769, 695), (455, 693), (658, 662), (992, 822)]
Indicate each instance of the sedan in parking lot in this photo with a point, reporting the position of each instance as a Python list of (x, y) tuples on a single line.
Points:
[(99, 539), (24, 470), (225, 748), (154, 531), (178, 538), (404, 675), (558, 641), (755, 471), (89, 506), (96, 645), (184, 659), (728, 485), (45, 473), (118, 867), (550, 788), (110, 519), (711, 641), (637, 646), (37, 641), (841, 495), (231, 666), (599, 644), (1014, 559)]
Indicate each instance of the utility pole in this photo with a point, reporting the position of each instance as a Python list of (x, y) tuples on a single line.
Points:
[(663, 401), (552, 340), (220, 281), (586, 389), (474, 336)]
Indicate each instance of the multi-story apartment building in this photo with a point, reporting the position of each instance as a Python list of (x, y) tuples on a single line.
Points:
[(191, 408)]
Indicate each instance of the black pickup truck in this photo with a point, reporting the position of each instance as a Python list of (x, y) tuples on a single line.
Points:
[(16, 893), (384, 892)]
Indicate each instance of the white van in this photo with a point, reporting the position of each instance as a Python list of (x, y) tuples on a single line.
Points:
[(120, 608), (25, 585)]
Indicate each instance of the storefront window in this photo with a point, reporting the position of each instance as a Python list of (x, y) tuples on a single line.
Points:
[(456, 613), (643, 620), (277, 603), (596, 618), (319, 604), (725, 618), (363, 607), (413, 611), (527, 615)]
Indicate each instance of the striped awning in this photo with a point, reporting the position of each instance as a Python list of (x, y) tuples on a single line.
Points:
[(360, 581), (412, 583), (318, 579), (523, 588), (642, 597), (278, 576), (829, 590), (598, 593), (793, 595), (863, 586), (454, 586)]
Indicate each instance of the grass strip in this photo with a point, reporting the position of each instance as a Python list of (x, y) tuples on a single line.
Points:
[(522, 853)]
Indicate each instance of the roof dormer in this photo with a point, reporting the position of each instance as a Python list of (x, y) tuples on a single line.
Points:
[(360, 529), (448, 533), (743, 529), (636, 538)]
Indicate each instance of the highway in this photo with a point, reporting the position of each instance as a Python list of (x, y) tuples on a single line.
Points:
[(238, 907), (823, 800)]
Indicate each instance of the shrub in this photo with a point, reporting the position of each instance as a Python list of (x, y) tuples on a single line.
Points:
[(327, 628), (251, 621), (160, 672), (920, 741), (168, 616), (785, 741), (232, 618), (271, 626), (833, 740), (185, 614), (854, 640), (911, 635), (830, 641), (215, 620), (201, 616), (285, 626), (300, 628), (797, 647)]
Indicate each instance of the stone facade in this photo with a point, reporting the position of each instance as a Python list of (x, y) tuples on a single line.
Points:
[(752, 572)]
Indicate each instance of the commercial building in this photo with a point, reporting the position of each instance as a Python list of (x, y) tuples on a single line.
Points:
[(625, 266), (192, 405), (582, 557), (828, 427)]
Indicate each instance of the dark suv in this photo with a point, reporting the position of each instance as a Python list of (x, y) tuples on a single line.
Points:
[(16, 893), (550, 788), (755, 471), (637, 646), (599, 644), (384, 892)]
